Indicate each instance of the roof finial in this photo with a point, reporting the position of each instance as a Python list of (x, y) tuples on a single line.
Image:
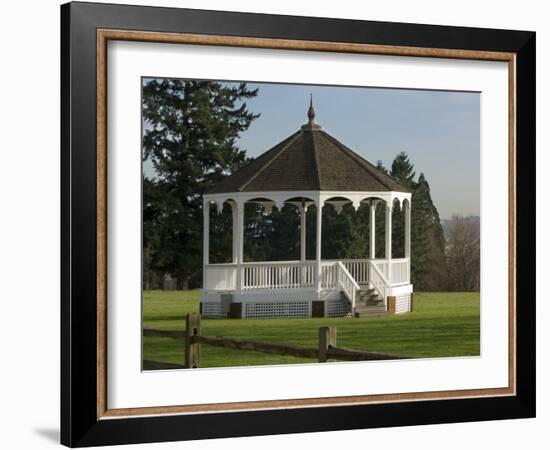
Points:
[(311, 111), (311, 124)]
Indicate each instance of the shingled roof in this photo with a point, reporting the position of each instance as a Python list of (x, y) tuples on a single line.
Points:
[(308, 160)]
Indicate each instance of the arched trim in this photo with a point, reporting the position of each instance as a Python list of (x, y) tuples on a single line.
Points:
[(372, 198), (298, 198), (397, 200)]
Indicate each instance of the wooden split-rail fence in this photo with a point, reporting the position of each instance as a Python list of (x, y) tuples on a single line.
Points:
[(193, 339)]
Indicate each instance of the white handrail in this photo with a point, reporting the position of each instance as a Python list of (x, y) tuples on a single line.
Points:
[(267, 276), (358, 268), (379, 281), (347, 283), (278, 275), (274, 263)]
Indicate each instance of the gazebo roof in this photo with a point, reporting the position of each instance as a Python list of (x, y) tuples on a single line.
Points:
[(308, 160)]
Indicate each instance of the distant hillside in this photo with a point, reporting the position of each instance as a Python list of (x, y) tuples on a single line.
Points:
[(446, 222)]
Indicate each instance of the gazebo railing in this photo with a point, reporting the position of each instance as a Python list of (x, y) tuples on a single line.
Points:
[(358, 268), (329, 275), (280, 275), (400, 269), (221, 277)]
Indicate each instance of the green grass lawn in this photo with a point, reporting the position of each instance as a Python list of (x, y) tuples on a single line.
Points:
[(442, 324)]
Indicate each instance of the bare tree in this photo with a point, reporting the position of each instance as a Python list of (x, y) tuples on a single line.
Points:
[(463, 254)]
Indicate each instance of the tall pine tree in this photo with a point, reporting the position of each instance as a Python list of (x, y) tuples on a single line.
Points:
[(428, 264), (403, 171), (191, 128)]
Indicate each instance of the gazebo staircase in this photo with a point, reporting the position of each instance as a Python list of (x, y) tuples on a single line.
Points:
[(368, 303)]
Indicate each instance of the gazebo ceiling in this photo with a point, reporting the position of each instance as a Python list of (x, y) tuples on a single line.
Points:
[(308, 160)]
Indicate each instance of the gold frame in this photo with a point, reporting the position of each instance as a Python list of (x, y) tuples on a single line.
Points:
[(104, 35)]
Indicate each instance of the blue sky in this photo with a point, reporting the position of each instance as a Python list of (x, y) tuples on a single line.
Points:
[(439, 130)]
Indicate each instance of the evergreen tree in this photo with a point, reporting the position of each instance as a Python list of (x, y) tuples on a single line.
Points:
[(359, 242), (258, 226), (335, 232), (402, 170), (380, 230), (428, 264), (190, 136), (344, 234), (221, 235), (151, 237), (284, 234), (380, 166), (311, 225)]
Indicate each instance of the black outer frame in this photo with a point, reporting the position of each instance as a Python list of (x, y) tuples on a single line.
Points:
[(79, 425)]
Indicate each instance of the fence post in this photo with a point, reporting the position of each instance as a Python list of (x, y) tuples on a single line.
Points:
[(327, 338), (192, 348)]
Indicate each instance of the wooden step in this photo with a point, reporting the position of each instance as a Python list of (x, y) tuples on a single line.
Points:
[(370, 311), (366, 291), (369, 303), (370, 295), (374, 299), (370, 307), (367, 297), (371, 314)]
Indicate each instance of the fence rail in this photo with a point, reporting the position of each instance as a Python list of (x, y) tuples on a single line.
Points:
[(157, 365), (257, 346), (193, 339)]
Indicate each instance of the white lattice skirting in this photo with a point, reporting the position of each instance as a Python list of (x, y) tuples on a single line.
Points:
[(286, 309), (334, 308), (212, 310), (338, 308)]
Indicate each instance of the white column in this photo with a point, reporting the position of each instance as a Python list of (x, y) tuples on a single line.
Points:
[(388, 237), (408, 238), (318, 248), (372, 229), (240, 244), (407, 229), (205, 239), (235, 243), (303, 211), (303, 270)]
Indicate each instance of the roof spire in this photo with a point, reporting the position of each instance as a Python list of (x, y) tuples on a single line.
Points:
[(311, 125), (311, 111)]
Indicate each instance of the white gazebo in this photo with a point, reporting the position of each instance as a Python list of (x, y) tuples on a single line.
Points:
[(308, 169)]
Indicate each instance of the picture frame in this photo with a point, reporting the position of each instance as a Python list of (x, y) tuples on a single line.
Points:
[(86, 418)]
